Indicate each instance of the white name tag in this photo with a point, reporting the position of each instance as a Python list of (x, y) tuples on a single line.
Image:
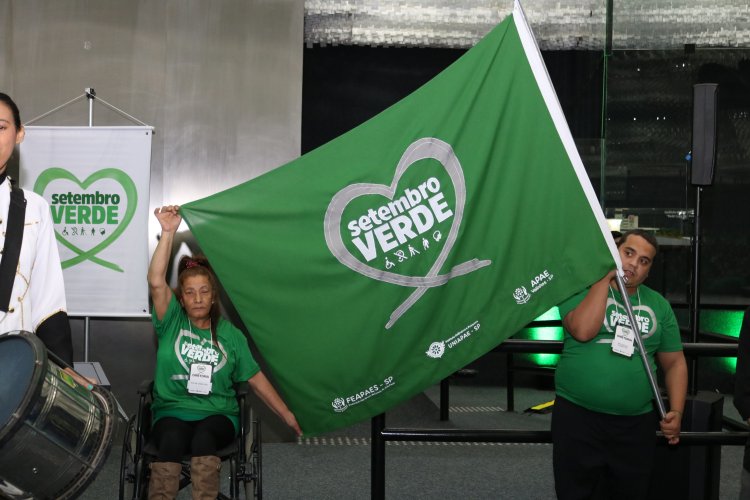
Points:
[(200, 378), (623, 341)]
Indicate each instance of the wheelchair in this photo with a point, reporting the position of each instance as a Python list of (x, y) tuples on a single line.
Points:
[(243, 454)]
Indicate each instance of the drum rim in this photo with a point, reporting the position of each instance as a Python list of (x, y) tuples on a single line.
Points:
[(83, 467), (37, 376), (87, 475)]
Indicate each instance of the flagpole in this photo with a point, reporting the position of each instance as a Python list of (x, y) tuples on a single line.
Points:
[(639, 343)]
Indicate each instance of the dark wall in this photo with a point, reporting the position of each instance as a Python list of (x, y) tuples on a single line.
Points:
[(344, 86)]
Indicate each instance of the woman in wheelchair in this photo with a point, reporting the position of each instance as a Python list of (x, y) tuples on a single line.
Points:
[(199, 357)]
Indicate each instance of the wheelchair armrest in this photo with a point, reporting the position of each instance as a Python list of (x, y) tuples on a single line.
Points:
[(242, 389), (144, 389)]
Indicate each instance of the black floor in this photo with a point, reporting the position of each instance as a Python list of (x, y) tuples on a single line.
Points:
[(337, 465)]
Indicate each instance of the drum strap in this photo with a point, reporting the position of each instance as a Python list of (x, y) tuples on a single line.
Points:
[(12, 250)]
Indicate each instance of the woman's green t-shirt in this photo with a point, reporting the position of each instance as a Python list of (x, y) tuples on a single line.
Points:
[(180, 345)]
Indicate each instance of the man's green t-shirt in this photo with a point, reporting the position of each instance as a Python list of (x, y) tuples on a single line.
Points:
[(591, 375), (181, 344)]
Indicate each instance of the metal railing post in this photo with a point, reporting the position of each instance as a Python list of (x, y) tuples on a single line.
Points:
[(377, 465)]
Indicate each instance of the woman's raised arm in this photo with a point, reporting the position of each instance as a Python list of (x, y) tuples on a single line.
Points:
[(169, 219)]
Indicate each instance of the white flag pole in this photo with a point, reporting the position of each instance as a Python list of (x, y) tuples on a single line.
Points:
[(542, 77), (639, 343)]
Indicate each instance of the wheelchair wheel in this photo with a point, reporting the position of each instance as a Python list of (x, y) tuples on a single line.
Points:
[(252, 479), (133, 484)]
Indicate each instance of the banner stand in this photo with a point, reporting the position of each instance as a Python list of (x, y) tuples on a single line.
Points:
[(90, 94)]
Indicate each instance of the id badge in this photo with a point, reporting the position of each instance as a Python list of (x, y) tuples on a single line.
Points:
[(623, 341), (200, 378)]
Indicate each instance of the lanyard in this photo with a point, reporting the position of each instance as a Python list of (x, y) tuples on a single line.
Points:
[(200, 339), (638, 314)]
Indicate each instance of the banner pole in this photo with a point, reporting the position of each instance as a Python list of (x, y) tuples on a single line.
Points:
[(639, 343), (91, 95), (86, 339), (53, 110)]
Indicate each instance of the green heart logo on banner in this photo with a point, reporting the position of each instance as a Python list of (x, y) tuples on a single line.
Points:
[(428, 147), (131, 194)]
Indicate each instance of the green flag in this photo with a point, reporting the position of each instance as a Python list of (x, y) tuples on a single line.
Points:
[(385, 260)]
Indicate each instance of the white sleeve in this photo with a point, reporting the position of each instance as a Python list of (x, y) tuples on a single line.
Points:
[(47, 287)]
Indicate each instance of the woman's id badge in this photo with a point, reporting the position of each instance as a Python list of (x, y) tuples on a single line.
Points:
[(200, 378), (623, 341)]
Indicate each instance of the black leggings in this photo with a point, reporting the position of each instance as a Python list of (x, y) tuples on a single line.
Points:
[(176, 439)]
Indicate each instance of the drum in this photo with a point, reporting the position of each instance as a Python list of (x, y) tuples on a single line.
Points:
[(54, 434)]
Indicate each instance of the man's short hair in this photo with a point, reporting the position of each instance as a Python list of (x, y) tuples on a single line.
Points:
[(646, 235)]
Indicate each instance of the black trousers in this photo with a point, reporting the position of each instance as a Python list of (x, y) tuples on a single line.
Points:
[(596, 455), (175, 438)]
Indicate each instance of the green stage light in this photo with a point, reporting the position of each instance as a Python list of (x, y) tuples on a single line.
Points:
[(551, 315), (543, 333), (714, 321), (725, 323)]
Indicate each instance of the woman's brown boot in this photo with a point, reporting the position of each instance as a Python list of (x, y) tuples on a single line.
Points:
[(165, 480), (204, 474)]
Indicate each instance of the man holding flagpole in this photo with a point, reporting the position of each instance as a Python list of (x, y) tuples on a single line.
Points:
[(604, 419)]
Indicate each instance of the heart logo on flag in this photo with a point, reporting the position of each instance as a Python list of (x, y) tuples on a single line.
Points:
[(428, 147), (131, 199)]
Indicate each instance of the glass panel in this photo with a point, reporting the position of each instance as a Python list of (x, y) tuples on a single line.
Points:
[(647, 174)]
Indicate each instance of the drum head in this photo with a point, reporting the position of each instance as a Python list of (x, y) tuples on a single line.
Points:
[(18, 359)]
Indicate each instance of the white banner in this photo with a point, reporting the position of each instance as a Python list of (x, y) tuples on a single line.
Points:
[(96, 181)]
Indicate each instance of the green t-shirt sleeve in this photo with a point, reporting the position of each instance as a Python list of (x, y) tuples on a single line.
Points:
[(568, 305), (670, 335), (170, 319)]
